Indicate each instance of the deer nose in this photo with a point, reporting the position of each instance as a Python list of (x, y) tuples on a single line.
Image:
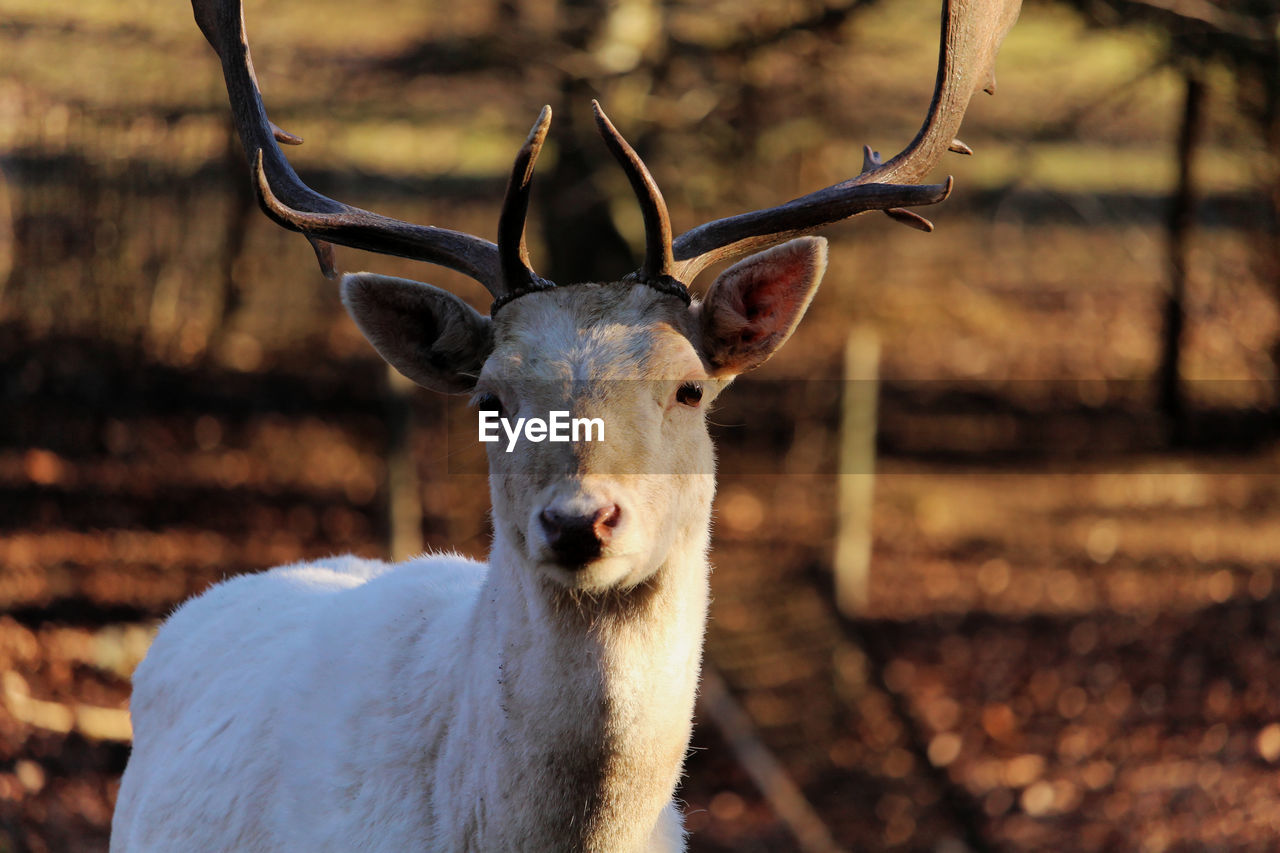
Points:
[(577, 539)]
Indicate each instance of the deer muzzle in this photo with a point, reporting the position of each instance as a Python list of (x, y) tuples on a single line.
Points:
[(575, 537)]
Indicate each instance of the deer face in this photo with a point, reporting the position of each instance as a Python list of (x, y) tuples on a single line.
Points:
[(603, 513), (599, 517), (594, 514), (602, 516)]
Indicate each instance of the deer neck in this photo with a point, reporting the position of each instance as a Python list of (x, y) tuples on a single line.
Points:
[(589, 700)]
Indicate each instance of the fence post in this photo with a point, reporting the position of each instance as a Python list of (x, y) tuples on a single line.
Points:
[(404, 503), (857, 469)]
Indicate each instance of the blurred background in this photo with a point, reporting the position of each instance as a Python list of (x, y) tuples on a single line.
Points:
[(1058, 624)]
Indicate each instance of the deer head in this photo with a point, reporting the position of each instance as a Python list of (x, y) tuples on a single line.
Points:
[(640, 353)]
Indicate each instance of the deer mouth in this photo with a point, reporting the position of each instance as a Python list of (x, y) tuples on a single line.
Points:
[(576, 558)]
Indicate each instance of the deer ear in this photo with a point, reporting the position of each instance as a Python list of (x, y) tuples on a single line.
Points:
[(754, 305), (430, 336)]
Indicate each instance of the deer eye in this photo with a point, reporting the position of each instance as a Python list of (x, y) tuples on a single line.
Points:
[(689, 394), (489, 403)]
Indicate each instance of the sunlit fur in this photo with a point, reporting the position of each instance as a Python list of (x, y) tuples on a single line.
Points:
[(443, 704)]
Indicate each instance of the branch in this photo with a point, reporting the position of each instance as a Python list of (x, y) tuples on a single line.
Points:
[(770, 777), (1203, 12), (826, 18)]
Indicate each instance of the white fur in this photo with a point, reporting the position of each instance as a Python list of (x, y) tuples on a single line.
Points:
[(352, 705), (447, 705)]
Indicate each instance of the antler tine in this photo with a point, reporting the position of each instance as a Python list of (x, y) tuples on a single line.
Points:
[(698, 248), (513, 254), (972, 31), (293, 205), (658, 260)]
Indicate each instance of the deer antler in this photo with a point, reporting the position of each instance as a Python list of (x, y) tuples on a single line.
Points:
[(658, 266), (283, 196), (972, 31), (512, 252)]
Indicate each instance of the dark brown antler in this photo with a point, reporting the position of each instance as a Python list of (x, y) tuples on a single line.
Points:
[(972, 31), (657, 223), (659, 266), (294, 205), (512, 251)]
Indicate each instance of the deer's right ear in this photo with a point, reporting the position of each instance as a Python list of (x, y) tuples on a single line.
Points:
[(432, 337)]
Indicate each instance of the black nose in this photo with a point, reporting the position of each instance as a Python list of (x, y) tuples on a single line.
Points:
[(578, 539)]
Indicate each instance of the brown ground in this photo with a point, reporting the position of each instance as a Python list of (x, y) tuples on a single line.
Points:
[(1071, 635), (1056, 655)]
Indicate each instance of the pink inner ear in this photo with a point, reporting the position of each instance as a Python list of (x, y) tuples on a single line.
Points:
[(754, 305), (770, 294)]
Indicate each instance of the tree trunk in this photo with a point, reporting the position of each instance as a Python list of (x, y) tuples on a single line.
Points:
[(1181, 219)]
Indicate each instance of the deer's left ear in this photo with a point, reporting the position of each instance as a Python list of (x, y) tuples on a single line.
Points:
[(755, 305), (429, 335)]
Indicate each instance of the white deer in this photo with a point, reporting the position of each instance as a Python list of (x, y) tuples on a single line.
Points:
[(541, 701)]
